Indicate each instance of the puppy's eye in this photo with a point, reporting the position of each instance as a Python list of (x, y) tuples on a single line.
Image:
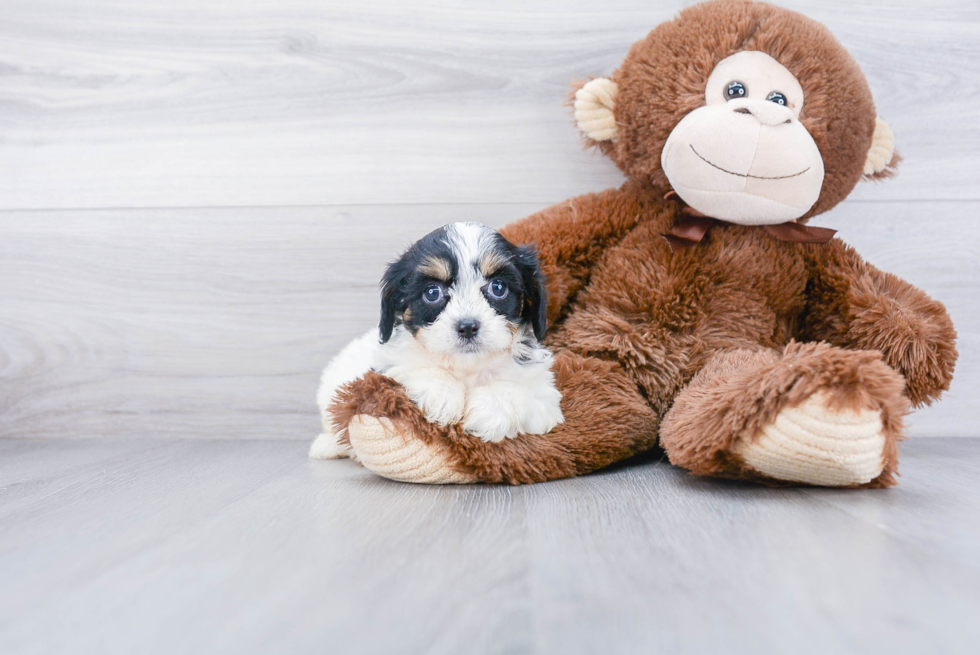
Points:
[(432, 294), (497, 289), (778, 98), (735, 90)]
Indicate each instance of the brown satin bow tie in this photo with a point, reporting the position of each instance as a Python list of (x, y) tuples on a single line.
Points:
[(690, 230)]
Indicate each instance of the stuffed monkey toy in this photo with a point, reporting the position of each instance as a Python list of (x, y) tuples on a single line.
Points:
[(693, 309)]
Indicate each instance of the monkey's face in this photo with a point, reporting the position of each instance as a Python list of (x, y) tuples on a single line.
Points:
[(752, 113), (745, 157)]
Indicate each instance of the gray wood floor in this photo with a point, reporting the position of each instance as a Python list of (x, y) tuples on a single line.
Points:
[(196, 202), (180, 546)]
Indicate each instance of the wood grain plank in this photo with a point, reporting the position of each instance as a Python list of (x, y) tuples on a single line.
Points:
[(110, 103), (216, 323), (672, 563), (213, 546), (208, 547), (944, 476)]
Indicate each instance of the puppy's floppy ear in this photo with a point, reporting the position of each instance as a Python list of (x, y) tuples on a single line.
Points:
[(535, 310), (392, 301)]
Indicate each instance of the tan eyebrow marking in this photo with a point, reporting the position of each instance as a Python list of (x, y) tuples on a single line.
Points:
[(436, 267), (492, 262)]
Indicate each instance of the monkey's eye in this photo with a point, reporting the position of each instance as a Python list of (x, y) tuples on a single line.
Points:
[(432, 294), (497, 289), (778, 98), (735, 90)]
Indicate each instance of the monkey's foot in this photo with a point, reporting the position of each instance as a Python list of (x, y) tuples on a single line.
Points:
[(814, 443), (383, 450)]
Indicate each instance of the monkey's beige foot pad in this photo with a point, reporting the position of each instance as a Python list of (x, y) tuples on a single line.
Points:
[(383, 450), (814, 444)]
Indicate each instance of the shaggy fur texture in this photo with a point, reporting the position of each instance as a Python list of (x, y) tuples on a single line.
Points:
[(706, 345)]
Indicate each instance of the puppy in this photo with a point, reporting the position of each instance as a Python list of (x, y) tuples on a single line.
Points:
[(462, 316)]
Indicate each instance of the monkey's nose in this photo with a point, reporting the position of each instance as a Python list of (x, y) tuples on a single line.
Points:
[(467, 328), (767, 113)]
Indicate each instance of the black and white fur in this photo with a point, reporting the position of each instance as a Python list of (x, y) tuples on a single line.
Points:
[(462, 314)]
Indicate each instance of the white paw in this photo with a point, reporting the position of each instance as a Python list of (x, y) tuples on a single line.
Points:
[(442, 401), (541, 417), (326, 446), (491, 415), (814, 444)]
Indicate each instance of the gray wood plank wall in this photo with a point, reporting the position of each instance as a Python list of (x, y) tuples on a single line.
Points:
[(197, 199)]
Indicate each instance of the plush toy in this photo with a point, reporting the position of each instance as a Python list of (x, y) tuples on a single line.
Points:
[(693, 309)]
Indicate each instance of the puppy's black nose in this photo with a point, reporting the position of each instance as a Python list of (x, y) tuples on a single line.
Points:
[(467, 328)]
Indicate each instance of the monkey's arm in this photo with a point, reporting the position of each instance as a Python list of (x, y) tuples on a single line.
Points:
[(854, 305), (571, 236)]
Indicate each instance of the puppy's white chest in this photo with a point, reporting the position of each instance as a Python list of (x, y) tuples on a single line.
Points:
[(500, 399)]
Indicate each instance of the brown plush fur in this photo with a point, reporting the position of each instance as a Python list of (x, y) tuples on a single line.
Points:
[(705, 340), (854, 305)]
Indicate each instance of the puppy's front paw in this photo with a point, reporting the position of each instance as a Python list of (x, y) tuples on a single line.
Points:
[(541, 416), (442, 401), (491, 414)]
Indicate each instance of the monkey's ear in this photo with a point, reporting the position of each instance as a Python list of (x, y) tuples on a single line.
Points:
[(595, 104), (882, 158)]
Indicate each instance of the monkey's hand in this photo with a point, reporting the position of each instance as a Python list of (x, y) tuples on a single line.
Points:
[(852, 304), (911, 330)]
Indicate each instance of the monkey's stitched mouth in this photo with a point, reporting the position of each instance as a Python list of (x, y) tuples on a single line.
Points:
[(756, 177)]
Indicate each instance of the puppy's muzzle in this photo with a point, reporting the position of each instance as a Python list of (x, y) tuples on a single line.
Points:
[(467, 328)]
